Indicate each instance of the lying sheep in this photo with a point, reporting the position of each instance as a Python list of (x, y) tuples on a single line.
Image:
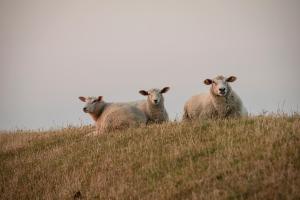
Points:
[(153, 107), (220, 102), (112, 116)]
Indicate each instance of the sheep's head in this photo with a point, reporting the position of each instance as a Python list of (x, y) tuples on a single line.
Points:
[(155, 95), (92, 104), (220, 85)]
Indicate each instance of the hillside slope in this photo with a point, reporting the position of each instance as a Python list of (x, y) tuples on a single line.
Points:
[(254, 158)]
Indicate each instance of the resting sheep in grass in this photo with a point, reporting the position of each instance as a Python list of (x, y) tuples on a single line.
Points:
[(112, 116), (220, 102), (153, 107)]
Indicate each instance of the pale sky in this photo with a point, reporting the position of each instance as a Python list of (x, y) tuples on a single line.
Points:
[(51, 52)]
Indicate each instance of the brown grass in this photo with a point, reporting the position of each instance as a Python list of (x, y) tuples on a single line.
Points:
[(253, 158)]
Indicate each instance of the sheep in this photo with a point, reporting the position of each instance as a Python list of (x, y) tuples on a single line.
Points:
[(220, 102), (153, 107), (112, 116)]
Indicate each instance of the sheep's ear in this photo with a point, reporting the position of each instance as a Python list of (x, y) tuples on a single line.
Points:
[(143, 92), (208, 81), (100, 98), (231, 79), (164, 90), (82, 98)]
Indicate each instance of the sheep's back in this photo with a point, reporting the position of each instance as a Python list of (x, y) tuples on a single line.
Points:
[(197, 105), (120, 116)]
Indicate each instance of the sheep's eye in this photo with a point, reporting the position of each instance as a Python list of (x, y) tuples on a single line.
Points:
[(94, 101)]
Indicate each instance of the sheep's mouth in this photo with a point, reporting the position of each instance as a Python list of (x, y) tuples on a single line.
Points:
[(222, 94)]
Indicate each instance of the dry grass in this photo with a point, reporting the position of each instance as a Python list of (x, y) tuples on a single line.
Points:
[(253, 158)]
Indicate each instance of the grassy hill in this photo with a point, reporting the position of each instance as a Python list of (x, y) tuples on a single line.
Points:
[(253, 158)]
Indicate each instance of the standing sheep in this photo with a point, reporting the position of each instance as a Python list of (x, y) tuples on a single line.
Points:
[(112, 116), (220, 102), (153, 107)]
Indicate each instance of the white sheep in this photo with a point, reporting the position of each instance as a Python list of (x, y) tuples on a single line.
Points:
[(112, 116), (220, 102), (153, 107)]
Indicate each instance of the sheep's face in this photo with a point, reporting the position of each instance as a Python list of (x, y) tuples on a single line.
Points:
[(155, 96), (92, 103), (220, 85)]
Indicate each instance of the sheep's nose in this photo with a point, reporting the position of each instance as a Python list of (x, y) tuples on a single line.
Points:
[(222, 89), (84, 109), (155, 101)]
